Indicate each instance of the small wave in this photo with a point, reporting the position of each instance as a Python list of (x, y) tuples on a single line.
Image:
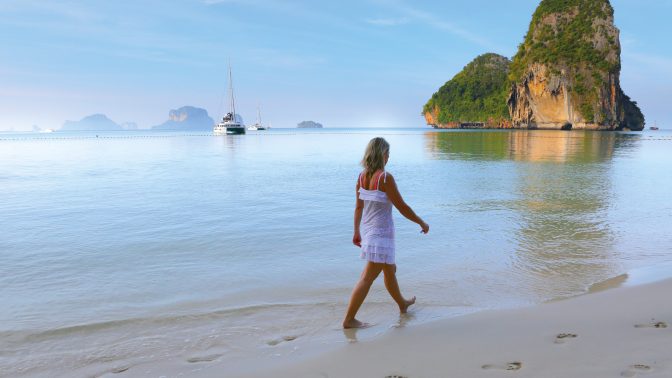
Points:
[(147, 322)]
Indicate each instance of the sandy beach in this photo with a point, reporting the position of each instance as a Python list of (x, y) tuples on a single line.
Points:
[(619, 332), (622, 332)]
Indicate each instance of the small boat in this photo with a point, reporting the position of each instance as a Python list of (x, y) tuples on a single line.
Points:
[(654, 127), (231, 123), (258, 125)]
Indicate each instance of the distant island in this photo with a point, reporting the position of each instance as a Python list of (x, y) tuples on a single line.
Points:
[(565, 75), (309, 125), (94, 122), (187, 118)]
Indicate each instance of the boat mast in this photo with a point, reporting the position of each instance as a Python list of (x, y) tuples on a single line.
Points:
[(233, 105), (258, 115)]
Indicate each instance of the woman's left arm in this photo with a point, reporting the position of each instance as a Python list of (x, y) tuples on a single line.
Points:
[(393, 194)]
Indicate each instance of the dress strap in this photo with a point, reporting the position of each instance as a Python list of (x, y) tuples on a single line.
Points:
[(379, 176)]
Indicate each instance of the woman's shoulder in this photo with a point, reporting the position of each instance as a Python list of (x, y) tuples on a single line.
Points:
[(386, 179), (383, 175)]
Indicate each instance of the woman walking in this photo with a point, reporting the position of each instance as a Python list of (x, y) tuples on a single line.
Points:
[(376, 192)]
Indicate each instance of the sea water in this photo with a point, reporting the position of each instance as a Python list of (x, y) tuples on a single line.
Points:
[(122, 248)]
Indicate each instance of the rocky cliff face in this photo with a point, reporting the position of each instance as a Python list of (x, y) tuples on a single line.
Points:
[(187, 118), (566, 72), (309, 125)]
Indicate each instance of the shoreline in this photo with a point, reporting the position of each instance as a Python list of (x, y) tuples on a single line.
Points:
[(615, 328), (625, 331)]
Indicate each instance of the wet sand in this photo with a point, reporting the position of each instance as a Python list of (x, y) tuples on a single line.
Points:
[(621, 332)]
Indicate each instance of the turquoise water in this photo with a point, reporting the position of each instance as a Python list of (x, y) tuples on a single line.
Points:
[(120, 248)]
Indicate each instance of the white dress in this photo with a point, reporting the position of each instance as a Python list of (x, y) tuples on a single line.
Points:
[(377, 226)]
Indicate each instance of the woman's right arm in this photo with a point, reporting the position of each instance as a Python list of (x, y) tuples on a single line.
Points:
[(359, 208), (395, 197)]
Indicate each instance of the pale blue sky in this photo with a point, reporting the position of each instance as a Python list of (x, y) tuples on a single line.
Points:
[(342, 63)]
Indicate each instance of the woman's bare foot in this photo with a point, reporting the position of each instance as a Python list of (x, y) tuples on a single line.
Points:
[(354, 323), (407, 304)]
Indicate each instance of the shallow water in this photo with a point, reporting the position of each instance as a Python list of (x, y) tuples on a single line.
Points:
[(121, 248)]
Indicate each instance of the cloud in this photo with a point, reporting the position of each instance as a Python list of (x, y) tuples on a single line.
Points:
[(212, 2), (40, 93), (386, 21), (662, 64), (239, 2), (435, 22), (627, 39), (71, 12), (279, 58)]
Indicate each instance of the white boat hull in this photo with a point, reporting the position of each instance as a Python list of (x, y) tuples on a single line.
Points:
[(228, 128)]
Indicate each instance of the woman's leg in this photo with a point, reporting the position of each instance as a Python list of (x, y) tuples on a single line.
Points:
[(390, 270), (370, 273)]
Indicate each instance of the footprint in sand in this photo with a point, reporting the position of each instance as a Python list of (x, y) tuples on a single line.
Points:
[(209, 358), (509, 366), (120, 369), (563, 337), (283, 338), (634, 370), (653, 324)]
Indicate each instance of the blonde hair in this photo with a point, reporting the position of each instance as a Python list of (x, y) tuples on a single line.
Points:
[(374, 155)]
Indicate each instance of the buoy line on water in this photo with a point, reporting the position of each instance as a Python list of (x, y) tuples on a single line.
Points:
[(364, 132)]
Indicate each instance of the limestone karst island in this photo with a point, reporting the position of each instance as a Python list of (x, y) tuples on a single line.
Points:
[(565, 75)]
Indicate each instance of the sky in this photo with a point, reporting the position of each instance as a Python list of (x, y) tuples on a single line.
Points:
[(366, 63)]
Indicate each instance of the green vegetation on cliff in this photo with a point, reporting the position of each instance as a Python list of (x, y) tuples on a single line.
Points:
[(563, 32), (477, 93)]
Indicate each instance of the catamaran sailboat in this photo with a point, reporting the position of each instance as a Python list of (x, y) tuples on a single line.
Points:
[(258, 125), (231, 123)]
